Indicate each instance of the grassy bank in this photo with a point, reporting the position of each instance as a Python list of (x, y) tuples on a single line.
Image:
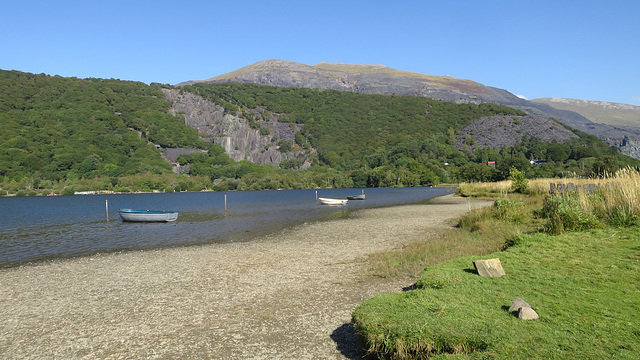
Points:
[(574, 257)]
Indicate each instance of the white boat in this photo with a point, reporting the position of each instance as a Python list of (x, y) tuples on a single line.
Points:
[(330, 201), (148, 215)]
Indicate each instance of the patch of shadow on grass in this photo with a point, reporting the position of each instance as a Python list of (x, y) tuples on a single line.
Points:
[(471, 271), (410, 287)]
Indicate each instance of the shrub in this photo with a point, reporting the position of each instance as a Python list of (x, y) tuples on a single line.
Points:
[(285, 146), (519, 182), (508, 210), (567, 212), (471, 221)]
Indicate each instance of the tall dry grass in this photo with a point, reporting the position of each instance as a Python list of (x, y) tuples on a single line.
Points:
[(484, 188), (615, 202), (618, 201), (542, 186)]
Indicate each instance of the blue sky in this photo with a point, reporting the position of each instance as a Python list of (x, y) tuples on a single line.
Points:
[(574, 49)]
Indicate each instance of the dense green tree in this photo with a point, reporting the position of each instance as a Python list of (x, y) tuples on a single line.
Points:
[(68, 128), (605, 165), (557, 152), (477, 172)]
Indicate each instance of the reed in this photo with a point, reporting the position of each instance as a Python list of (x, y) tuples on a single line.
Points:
[(482, 189), (617, 204)]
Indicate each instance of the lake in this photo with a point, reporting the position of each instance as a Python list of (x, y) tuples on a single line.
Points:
[(41, 228)]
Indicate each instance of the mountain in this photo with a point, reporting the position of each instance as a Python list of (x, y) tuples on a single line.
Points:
[(603, 112), (62, 135), (366, 79), (379, 79), (381, 140)]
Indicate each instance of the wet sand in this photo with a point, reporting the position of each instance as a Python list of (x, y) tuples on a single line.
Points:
[(288, 295)]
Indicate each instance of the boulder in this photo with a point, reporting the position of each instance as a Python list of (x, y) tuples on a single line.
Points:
[(490, 267), (518, 303), (524, 310), (527, 313)]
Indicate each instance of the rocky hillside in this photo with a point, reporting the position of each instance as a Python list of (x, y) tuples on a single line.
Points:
[(379, 79), (498, 131), (367, 79), (602, 112), (239, 140)]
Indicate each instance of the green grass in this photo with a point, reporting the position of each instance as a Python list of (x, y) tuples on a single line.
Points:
[(481, 231), (574, 257), (584, 285)]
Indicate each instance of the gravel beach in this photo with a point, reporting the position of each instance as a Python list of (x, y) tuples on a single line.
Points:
[(288, 295)]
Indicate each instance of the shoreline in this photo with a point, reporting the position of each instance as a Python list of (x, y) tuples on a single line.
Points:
[(285, 295)]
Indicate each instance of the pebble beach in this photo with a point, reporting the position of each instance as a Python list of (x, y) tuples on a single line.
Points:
[(287, 295)]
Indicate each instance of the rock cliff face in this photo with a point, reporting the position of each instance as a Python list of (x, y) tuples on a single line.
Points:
[(239, 140), (379, 79)]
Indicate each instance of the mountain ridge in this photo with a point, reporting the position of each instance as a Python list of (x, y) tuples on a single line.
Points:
[(380, 79), (604, 112)]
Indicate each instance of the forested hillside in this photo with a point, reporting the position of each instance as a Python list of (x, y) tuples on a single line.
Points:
[(379, 79), (63, 135), (346, 127), (60, 129), (380, 140)]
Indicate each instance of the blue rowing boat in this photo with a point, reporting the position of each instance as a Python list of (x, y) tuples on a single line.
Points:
[(356, 197), (148, 215)]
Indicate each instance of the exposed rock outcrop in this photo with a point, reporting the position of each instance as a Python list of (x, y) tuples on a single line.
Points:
[(498, 131), (239, 140)]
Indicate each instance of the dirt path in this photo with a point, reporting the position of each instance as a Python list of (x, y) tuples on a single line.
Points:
[(286, 296)]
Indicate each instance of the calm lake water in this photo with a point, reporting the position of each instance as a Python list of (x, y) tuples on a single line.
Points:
[(41, 228)]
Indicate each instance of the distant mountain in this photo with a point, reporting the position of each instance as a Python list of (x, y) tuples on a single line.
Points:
[(602, 112), (379, 79), (367, 79)]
